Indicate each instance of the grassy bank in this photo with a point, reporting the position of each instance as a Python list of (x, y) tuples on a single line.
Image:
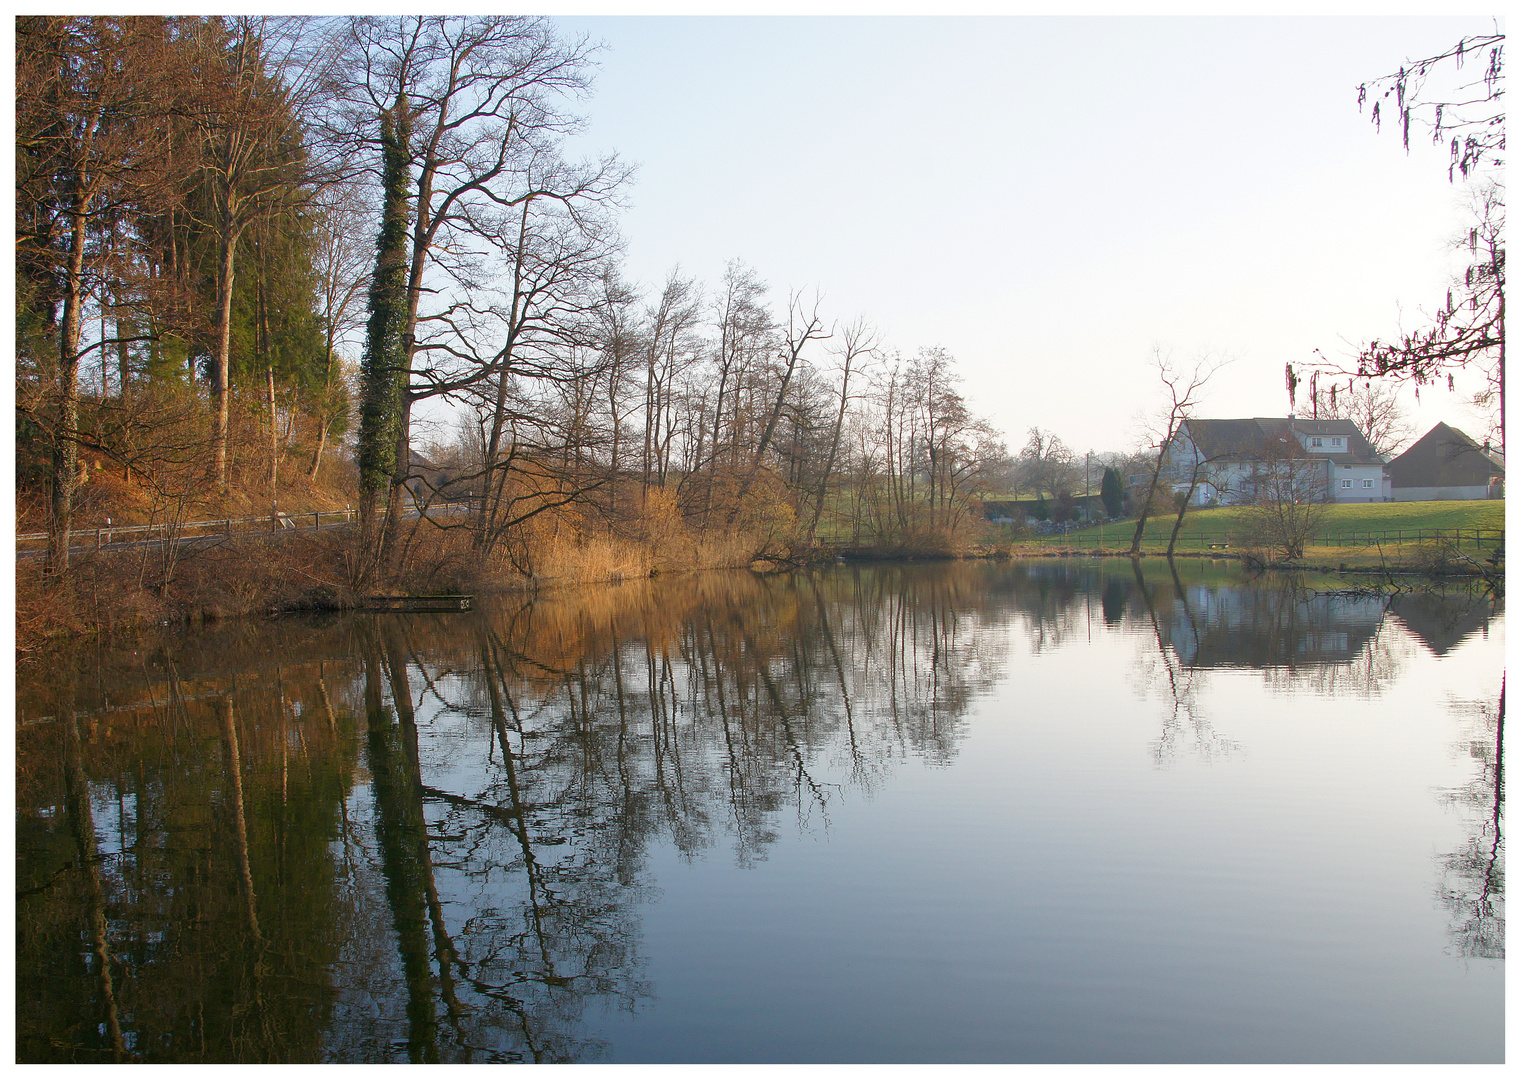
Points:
[(1347, 528)]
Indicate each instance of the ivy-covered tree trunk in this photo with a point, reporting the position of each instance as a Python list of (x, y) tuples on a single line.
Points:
[(384, 369)]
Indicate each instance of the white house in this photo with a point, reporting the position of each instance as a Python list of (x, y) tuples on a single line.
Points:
[(1227, 461)]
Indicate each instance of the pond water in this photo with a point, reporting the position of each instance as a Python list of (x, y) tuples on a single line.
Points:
[(962, 812)]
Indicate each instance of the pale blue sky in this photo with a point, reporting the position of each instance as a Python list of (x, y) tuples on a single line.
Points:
[(1046, 198)]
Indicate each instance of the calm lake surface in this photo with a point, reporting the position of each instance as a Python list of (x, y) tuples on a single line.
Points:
[(962, 812)]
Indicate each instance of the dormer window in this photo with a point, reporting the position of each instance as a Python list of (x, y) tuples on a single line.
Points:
[(1337, 443), (1315, 443)]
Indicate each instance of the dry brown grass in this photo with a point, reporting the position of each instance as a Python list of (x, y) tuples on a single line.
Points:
[(105, 592), (568, 546), (133, 497), (98, 594), (255, 574)]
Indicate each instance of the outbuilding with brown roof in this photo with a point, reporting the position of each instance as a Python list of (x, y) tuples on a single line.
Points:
[(1445, 463)]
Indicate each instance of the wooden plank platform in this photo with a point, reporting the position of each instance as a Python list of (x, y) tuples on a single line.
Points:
[(457, 602)]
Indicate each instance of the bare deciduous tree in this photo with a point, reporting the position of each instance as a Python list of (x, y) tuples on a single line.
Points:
[(803, 325), (670, 348), (1290, 497), (1046, 465), (486, 100), (1184, 390), (858, 343), (342, 258), (1467, 111)]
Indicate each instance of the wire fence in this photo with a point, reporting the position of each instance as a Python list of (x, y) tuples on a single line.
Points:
[(1478, 539)]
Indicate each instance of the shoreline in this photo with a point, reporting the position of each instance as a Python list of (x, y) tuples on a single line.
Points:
[(143, 605)]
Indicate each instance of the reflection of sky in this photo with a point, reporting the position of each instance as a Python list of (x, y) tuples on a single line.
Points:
[(1470, 671), (1059, 894), (1037, 835)]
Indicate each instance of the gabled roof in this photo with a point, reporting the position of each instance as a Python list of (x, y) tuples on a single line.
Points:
[(1445, 457), (1359, 450), (1252, 438), (1228, 438)]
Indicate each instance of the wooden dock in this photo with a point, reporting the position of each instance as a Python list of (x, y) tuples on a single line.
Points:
[(456, 602)]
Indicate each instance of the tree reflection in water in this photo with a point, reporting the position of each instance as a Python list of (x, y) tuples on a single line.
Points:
[(1339, 646), (428, 838), (1185, 720), (1472, 886)]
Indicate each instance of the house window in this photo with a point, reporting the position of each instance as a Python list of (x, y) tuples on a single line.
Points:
[(1336, 444), (1347, 482), (1367, 483), (1315, 444)]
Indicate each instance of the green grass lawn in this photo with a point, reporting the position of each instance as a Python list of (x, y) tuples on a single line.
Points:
[(1227, 524)]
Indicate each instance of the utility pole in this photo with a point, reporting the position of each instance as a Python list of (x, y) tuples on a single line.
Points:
[(1087, 488)]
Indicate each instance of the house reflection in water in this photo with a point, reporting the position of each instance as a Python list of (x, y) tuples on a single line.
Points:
[(1274, 625), (1441, 622)]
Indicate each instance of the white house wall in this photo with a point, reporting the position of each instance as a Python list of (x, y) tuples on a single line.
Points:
[(1367, 483)]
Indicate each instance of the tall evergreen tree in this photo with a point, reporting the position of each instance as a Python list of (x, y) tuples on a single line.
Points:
[(1112, 492)]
